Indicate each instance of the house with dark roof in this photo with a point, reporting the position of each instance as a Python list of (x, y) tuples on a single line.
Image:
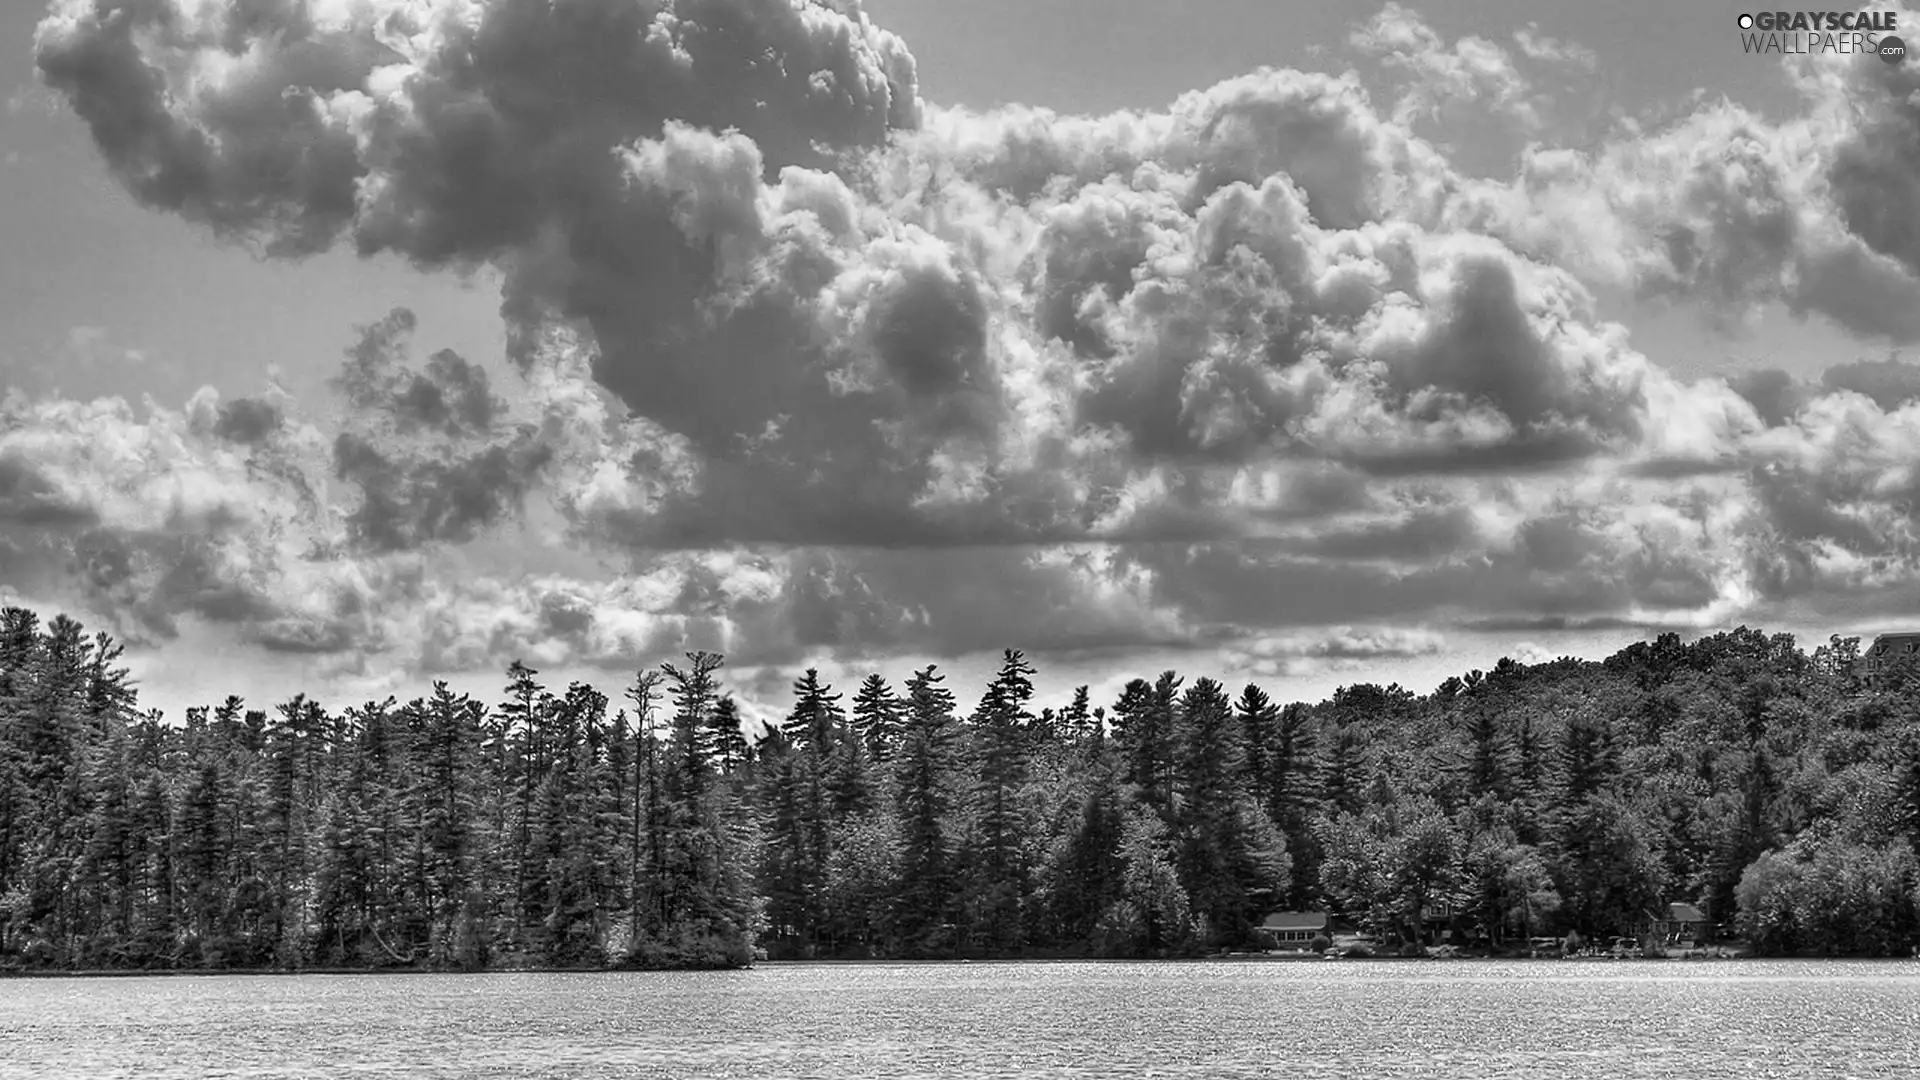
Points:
[(1295, 929), (1444, 918), (1890, 652), (1679, 925)]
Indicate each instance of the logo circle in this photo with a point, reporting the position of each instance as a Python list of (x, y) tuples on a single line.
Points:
[(1893, 50), (1746, 22)]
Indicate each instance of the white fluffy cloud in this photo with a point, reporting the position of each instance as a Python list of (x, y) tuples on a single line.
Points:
[(826, 368)]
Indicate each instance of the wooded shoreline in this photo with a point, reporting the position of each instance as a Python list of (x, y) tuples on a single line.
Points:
[(1777, 790), (1251, 958)]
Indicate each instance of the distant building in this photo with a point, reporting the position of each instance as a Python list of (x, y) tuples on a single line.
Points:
[(1296, 927), (1440, 918), (1890, 652), (1679, 924)]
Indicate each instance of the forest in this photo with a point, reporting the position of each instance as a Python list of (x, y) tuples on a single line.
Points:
[(1777, 789)]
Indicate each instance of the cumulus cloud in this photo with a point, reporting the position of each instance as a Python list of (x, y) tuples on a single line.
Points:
[(426, 448), (1526, 652), (1545, 48), (1348, 648), (147, 518), (1729, 207), (823, 367), (1471, 71)]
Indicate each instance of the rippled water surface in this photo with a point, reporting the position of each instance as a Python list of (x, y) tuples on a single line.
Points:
[(1460, 1021)]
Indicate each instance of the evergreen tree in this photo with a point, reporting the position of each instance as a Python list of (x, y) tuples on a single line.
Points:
[(789, 878), (448, 750), (710, 913), (1000, 887), (519, 717), (1078, 719), (729, 740), (1259, 717), (813, 730), (1340, 770), (923, 905), (877, 718), (1233, 861), (816, 718), (648, 836)]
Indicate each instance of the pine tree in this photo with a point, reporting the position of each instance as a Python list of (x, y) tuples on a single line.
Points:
[(1078, 720), (850, 783), (1340, 777), (788, 875), (923, 905), (1485, 764), (1233, 860), (288, 814), (1000, 886), (155, 909), (813, 730), (649, 817), (203, 851), (710, 912), (520, 728), (107, 870), (1259, 716), (444, 797), (19, 649), (730, 741), (877, 718), (343, 924), (816, 716)]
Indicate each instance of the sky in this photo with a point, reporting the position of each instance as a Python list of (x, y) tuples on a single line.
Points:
[(352, 344)]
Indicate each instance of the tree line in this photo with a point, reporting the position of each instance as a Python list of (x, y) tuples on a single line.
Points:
[(1777, 789)]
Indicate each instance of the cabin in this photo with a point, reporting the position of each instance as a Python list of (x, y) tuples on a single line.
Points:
[(1296, 928), (1442, 918), (1680, 925), (1889, 653)]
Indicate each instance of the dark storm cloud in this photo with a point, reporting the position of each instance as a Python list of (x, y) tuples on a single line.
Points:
[(1774, 394), (29, 498), (247, 420), (1891, 383)]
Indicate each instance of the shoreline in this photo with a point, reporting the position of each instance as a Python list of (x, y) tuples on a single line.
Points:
[(112, 973)]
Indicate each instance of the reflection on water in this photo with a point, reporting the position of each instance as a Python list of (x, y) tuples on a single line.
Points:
[(1461, 1021)]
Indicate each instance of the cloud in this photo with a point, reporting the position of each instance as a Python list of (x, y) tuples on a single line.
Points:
[(247, 420), (1775, 395), (92, 346), (1346, 648), (1726, 206), (425, 447), (1535, 45), (832, 350), (1526, 652), (143, 519), (1471, 71), (1890, 383), (801, 365), (33, 100)]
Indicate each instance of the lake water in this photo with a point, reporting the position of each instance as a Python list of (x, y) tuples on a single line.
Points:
[(1459, 1021)]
